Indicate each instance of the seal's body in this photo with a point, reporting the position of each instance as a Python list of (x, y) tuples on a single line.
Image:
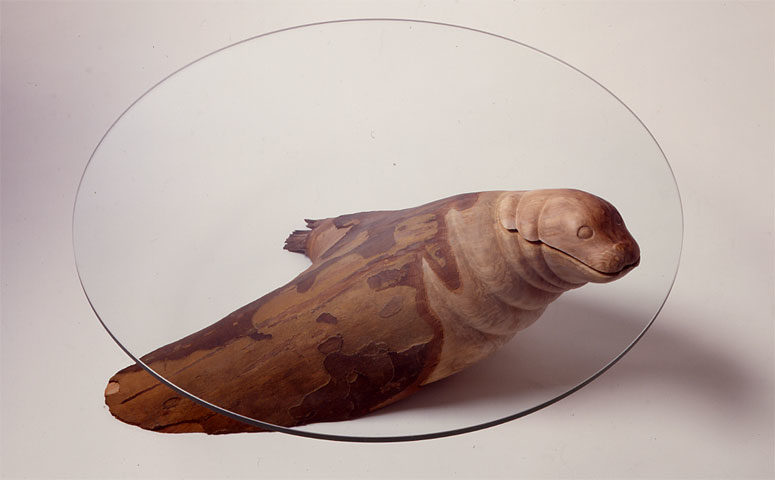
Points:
[(393, 300)]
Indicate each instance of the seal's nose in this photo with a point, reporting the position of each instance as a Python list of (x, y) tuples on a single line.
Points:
[(623, 254)]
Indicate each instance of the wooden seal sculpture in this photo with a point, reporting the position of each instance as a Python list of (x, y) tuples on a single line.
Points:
[(393, 300)]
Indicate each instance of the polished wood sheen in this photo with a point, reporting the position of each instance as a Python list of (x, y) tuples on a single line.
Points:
[(393, 301)]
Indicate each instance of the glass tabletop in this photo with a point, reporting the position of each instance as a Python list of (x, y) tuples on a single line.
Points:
[(185, 203)]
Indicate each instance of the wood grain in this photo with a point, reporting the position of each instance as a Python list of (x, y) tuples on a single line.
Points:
[(393, 300)]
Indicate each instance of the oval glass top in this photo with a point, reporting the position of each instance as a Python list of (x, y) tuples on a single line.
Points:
[(185, 204)]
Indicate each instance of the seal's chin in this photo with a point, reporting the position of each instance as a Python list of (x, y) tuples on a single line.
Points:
[(573, 270)]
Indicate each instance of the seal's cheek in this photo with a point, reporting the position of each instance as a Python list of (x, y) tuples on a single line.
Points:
[(568, 268)]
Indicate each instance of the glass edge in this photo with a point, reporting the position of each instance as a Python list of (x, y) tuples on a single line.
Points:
[(377, 439)]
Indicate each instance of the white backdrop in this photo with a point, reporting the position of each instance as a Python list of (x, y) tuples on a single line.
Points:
[(695, 397)]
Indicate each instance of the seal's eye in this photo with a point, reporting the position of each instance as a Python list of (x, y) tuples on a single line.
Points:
[(584, 232)]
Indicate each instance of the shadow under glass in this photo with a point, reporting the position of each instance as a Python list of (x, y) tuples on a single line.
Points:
[(183, 209)]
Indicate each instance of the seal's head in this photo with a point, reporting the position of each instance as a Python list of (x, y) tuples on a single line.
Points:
[(582, 237)]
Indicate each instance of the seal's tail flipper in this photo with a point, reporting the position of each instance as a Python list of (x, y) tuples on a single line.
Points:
[(297, 241), (322, 235)]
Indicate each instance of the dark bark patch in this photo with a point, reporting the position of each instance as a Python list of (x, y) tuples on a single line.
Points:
[(331, 345), (170, 402), (305, 281), (360, 382), (380, 240), (392, 307), (326, 318), (260, 336), (388, 278), (348, 220)]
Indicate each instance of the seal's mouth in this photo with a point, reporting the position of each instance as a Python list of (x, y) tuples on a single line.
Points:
[(592, 270), (587, 270)]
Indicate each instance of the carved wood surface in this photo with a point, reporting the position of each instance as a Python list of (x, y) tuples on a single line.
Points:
[(393, 300)]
